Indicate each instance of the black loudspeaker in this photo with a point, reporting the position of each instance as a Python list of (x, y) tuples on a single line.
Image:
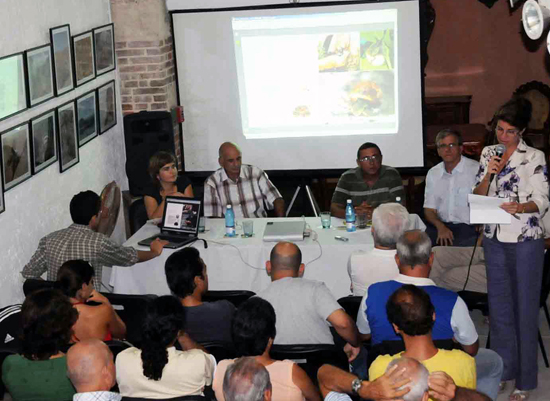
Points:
[(145, 133)]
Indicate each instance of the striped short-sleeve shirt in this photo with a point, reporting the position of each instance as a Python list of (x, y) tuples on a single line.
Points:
[(352, 186)]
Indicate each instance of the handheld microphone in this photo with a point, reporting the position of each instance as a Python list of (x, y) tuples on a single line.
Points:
[(500, 149)]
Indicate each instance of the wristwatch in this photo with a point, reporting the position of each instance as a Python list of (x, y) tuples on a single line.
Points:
[(356, 385)]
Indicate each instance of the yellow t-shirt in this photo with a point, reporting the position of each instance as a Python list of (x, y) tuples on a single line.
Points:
[(457, 364)]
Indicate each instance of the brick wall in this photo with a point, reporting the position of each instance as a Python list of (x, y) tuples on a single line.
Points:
[(147, 78)]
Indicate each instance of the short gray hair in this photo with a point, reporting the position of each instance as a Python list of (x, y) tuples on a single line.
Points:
[(414, 248), (246, 380), (419, 378), (390, 221), (444, 133)]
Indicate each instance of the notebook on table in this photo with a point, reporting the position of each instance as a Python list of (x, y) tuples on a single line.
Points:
[(180, 224)]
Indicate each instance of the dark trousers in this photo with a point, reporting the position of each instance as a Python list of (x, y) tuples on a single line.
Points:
[(464, 234), (514, 275)]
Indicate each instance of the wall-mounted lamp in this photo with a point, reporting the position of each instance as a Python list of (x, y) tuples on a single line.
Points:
[(536, 19)]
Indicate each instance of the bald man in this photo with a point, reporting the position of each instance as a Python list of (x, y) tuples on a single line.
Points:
[(246, 188), (304, 308), (91, 369)]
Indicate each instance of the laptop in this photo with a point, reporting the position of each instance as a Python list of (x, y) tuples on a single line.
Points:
[(276, 231), (180, 225)]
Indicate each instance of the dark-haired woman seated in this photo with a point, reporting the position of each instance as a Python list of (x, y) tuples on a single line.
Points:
[(253, 331), (164, 173), (158, 370), (75, 279), (40, 373)]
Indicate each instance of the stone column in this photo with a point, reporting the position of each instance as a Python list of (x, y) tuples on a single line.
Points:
[(145, 57)]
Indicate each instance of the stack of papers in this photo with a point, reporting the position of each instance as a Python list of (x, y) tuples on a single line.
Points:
[(486, 210)]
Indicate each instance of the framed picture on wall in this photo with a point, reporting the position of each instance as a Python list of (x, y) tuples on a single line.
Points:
[(67, 136), (84, 64), (106, 106), (39, 74), (16, 155), (60, 38), (104, 44), (43, 141), (13, 85), (86, 113)]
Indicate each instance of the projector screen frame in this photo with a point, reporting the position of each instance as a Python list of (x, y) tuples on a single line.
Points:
[(301, 174)]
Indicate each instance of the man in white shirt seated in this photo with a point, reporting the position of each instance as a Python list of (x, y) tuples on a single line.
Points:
[(91, 369), (389, 222), (448, 184), (243, 186)]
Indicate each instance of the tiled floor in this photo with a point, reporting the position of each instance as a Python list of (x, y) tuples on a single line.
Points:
[(542, 393)]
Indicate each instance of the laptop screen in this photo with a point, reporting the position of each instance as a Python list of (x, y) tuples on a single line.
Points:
[(181, 215)]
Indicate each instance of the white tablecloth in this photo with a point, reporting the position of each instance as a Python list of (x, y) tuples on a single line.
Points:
[(325, 258)]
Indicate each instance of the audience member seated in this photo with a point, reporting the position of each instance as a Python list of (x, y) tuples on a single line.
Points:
[(414, 258), (247, 380), (75, 279), (448, 184), (412, 315), (304, 308), (245, 187), (188, 280), (389, 221), (450, 268), (253, 332), (81, 241), (368, 185), (158, 370), (165, 182), (40, 373), (336, 383), (91, 369)]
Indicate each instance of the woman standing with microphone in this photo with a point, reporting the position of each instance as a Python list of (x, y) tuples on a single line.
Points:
[(515, 252)]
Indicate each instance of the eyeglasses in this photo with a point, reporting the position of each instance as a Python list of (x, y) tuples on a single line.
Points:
[(373, 158), (444, 146), (513, 131)]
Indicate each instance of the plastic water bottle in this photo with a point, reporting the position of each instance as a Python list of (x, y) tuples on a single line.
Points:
[(229, 221), (398, 200), (350, 217)]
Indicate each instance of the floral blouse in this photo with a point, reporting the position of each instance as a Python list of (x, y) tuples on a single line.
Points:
[(524, 178)]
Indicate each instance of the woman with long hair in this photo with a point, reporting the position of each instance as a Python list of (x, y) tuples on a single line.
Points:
[(515, 252), (166, 182), (75, 280), (158, 370), (40, 372)]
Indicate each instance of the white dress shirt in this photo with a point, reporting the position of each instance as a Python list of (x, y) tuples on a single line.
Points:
[(448, 193), (366, 268)]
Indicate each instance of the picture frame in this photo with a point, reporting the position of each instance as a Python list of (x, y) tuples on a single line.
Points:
[(2, 199), (60, 39), (69, 155), (43, 141), (39, 74), (86, 115), (104, 48), (106, 106), (84, 57), (13, 85), (16, 155)]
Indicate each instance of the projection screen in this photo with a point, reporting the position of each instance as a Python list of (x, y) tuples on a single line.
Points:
[(300, 88)]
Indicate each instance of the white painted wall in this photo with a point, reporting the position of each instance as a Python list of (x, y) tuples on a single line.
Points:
[(40, 205)]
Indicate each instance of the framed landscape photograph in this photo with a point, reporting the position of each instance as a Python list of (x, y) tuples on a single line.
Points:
[(13, 85), (104, 44), (60, 38), (44, 141), (84, 64), (67, 136), (106, 106), (86, 114), (16, 155), (40, 74)]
